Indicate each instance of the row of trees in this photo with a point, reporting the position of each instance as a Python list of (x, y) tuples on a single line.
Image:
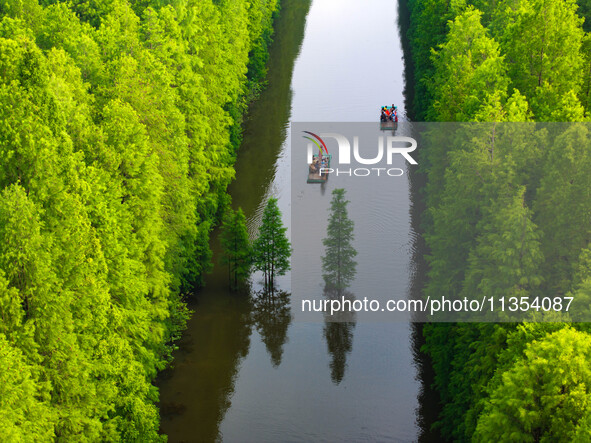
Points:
[(119, 123), (269, 253), (508, 210)]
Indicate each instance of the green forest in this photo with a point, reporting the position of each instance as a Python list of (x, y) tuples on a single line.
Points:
[(120, 122), (508, 210), (119, 126)]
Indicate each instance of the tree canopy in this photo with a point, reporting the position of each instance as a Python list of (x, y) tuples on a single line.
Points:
[(507, 208), (119, 124)]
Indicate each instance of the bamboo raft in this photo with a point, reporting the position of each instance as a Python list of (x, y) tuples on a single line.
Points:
[(314, 175), (389, 125)]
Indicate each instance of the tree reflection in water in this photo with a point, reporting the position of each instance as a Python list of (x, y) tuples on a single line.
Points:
[(338, 332), (272, 317)]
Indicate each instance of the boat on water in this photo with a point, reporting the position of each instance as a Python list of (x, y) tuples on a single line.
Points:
[(317, 169), (388, 118)]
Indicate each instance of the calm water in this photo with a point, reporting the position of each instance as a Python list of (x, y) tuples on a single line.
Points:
[(248, 371)]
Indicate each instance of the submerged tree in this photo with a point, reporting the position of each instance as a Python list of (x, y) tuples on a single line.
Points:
[(338, 265), (271, 250), (339, 269), (236, 244)]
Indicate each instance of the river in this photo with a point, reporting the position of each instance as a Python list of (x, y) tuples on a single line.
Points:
[(245, 373)]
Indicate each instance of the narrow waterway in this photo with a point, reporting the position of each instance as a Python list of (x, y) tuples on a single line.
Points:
[(247, 372)]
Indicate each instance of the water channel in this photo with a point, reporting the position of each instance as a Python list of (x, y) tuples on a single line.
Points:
[(246, 373)]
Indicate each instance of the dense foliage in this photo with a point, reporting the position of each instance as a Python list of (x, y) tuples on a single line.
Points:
[(119, 122), (508, 210)]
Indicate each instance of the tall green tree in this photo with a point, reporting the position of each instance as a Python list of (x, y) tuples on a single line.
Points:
[(338, 264), (542, 41), (506, 261), (563, 204), (473, 59), (236, 245), (271, 249)]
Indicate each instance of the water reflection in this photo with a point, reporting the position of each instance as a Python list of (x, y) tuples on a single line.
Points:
[(428, 399), (294, 401), (338, 332), (403, 23), (198, 389), (267, 121), (272, 317), (197, 392)]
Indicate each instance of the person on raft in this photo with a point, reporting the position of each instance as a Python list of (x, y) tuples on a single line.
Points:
[(394, 114)]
